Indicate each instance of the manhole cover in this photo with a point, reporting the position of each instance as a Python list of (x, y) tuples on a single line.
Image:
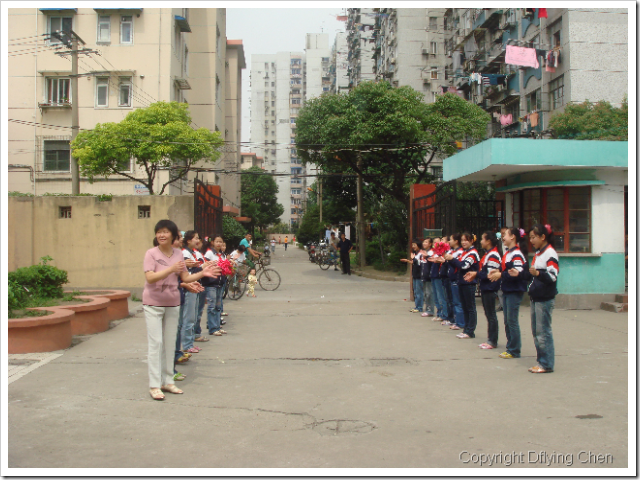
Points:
[(343, 427)]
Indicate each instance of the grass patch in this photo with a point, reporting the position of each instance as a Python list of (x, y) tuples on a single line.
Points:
[(135, 298), (28, 313)]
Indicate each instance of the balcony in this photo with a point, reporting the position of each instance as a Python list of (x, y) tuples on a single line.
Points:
[(61, 104)]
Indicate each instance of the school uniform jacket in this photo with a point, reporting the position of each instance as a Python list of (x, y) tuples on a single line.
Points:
[(544, 286), (425, 266), (213, 281), (453, 270), (490, 261), (513, 258), (467, 262)]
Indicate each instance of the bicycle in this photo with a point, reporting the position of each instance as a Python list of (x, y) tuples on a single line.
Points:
[(268, 278), (237, 283), (326, 259)]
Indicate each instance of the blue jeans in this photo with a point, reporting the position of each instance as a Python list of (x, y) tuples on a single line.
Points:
[(202, 296), (468, 299), (458, 314), (489, 304), (214, 307), (542, 334), (188, 318), (179, 336), (511, 309), (418, 293), (446, 283), (441, 299), (428, 297)]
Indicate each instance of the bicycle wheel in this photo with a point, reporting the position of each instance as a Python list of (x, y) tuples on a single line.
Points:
[(236, 288), (226, 289), (269, 279), (323, 262)]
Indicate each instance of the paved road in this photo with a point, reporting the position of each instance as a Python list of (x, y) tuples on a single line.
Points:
[(329, 371)]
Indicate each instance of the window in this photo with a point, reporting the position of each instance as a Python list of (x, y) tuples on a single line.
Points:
[(296, 81), (124, 166), (266, 84), (126, 30), (273, 103), (266, 65), (434, 48), (57, 24), (433, 23), (64, 212), (102, 92), (273, 84), (57, 156), (295, 71), (124, 94), (434, 73), (534, 101), (144, 211), (437, 172), (104, 28), (177, 38), (58, 91), (294, 211), (556, 92), (295, 91), (296, 191), (266, 132), (566, 209), (273, 113)]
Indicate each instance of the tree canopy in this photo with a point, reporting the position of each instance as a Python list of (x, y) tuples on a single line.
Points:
[(392, 129), (592, 121), (156, 137), (259, 198)]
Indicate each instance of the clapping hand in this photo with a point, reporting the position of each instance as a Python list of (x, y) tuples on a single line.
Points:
[(211, 270), (470, 276), (193, 287), (494, 275), (448, 256), (191, 263), (178, 267), (534, 272), (513, 272)]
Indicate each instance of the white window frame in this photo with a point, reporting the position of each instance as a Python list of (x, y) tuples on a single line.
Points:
[(57, 80), (434, 48), (102, 82), (50, 30), (125, 82), (122, 23), (103, 20)]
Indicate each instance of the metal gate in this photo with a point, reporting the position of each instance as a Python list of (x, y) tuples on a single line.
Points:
[(442, 210), (207, 211)]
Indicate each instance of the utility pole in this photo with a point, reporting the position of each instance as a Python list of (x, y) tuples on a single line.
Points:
[(320, 195), (71, 40), (75, 123), (360, 221)]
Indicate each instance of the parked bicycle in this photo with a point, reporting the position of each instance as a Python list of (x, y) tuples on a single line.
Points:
[(268, 278)]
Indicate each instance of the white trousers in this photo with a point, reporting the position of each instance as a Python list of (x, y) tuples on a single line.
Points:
[(162, 328)]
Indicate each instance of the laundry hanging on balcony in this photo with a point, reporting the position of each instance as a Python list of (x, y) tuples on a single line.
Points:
[(494, 79), (521, 56), (506, 119)]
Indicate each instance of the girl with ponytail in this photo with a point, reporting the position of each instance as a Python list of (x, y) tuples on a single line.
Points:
[(543, 291), (465, 263), (513, 275)]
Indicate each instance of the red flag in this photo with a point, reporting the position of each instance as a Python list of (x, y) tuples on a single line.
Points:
[(542, 13)]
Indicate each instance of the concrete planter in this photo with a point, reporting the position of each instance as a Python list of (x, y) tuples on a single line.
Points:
[(89, 317), (41, 334), (118, 307)]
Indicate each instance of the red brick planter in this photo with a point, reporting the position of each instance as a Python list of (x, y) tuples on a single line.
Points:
[(119, 306), (90, 317), (41, 334)]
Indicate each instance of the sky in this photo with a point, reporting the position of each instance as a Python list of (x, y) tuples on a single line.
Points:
[(265, 31)]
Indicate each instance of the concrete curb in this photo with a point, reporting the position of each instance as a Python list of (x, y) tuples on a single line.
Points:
[(375, 276)]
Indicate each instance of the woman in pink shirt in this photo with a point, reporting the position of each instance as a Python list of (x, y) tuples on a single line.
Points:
[(164, 268)]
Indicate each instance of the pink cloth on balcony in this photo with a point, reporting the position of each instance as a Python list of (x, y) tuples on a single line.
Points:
[(521, 56), (506, 119)]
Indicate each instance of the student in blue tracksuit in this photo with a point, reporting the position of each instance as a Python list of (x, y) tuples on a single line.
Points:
[(513, 274), (415, 276), (543, 291), (438, 287), (456, 251), (425, 267), (446, 284), (467, 262), (489, 289)]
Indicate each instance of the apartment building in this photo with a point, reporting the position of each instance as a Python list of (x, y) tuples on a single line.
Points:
[(360, 30), (137, 56), (250, 159), (280, 83), (339, 64), (589, 58)]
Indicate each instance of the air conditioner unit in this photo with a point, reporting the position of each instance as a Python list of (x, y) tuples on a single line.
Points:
[(425, 51), (426, 80)]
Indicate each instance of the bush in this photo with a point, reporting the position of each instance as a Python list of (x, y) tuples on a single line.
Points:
[(311, 230), (232, 231), (17, 296), (41, 280)]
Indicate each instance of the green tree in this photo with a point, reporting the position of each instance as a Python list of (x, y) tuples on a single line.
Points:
[(156, 137), (232, 231), (592, 121), (311, 230), (393, 131), (259, 193)]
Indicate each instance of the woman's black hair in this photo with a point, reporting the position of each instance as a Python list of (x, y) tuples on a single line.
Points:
[(241, 248), (491, 238), (169, 225), (457, 237), (521, 240), (417, 242), (546, 230), (206, 245), (188, 236), (469, 236)]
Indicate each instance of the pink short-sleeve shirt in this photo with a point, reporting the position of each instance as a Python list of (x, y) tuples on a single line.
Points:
[(163, 293)]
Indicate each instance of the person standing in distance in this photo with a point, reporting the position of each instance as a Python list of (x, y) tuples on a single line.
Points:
[(286, 241), (345, 247)]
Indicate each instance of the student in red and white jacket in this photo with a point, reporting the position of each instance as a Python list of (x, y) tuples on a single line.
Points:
[(543, 291), (467, 262), (513, 274), (456, 251)]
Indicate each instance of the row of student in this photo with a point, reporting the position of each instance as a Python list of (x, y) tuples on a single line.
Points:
[(181, 275), (446, 273)]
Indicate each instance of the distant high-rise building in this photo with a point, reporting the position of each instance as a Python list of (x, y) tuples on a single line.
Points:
[(280, 83), (339, 64), (360, 30)]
